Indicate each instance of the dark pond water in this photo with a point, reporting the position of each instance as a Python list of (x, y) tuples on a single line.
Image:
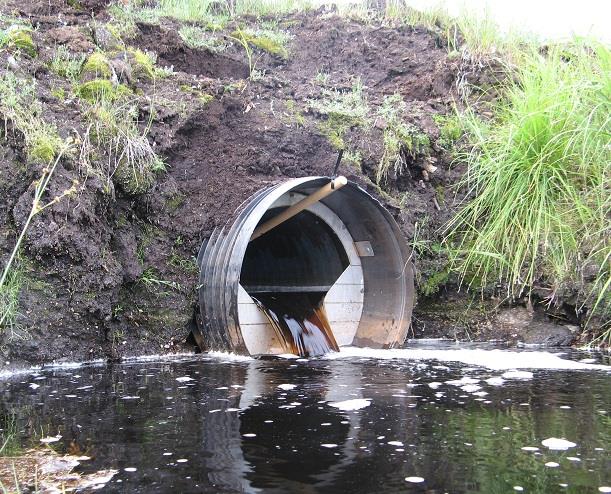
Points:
[(213, 424)]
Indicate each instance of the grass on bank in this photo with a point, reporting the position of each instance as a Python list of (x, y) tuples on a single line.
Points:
[(475, 35), (539, 180), (22, 111), (402, 140), (131, 161), (342, 111)]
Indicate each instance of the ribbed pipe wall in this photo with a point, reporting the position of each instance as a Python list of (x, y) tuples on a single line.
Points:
[(388, 275)]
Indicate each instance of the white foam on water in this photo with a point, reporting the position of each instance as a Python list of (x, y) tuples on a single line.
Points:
[(329, 445), (230, 357), (50, 439), (552, 464), (287, 387), (395, 443), (184, 379), (556, 444), (470, 388), (414, 480), (462, 381), (604, 488), (495, 359), (530, 448), (349, 405)]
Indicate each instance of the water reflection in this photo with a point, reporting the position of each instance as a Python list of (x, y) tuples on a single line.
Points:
[(209, 425)]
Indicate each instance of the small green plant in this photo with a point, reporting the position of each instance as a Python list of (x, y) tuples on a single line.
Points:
[(9, 437), (342, 110), (125, 15), (58, 93), (321, 78), (401, 139), (262, 8), (200, 38), (205, 98), (18, 37), (450, 130), (294, 114), (66, 64), (151, 278), (188, 265), (234, 86), (9, 300), (240, 37)]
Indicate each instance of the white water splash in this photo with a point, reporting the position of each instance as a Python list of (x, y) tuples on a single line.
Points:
[(492, 359)]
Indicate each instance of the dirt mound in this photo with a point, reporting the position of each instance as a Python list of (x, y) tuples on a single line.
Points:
[(172, 52), (107, 272)]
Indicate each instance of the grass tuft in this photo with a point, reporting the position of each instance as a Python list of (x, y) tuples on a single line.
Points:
[(343, 110), (131, 162), (18, 38), (402, 140), (539, 175), (66, 64), (19, 105), (9, 301), (200, 38), (272, 41)]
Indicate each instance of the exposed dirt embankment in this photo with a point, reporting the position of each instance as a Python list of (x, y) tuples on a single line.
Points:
[(109, 270)]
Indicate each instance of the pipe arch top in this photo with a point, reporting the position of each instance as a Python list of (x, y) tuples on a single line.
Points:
[(384, 257)]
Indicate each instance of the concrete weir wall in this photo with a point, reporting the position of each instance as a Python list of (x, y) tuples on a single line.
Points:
[(346, 246)]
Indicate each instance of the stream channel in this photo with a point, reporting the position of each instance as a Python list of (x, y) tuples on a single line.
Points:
[(434, 417)]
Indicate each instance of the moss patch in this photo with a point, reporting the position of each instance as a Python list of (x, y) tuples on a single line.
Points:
[(44, 147), (97, 65), (99, 89), (273, 42), (143, 64)]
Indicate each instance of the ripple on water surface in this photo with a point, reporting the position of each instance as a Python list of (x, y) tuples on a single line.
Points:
[(361, 421)]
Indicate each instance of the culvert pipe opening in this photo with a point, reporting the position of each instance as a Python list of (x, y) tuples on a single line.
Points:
[(336, 271)]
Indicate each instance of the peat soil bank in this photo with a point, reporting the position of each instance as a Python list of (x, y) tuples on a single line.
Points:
[(162, 129)]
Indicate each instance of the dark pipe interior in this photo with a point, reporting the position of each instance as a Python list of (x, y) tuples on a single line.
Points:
[(301, 254), (288, 271)]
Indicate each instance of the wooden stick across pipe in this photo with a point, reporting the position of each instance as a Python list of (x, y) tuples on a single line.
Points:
[(324, 191)]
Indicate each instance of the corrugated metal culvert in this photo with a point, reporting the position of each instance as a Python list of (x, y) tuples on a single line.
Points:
[(346, 247)]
